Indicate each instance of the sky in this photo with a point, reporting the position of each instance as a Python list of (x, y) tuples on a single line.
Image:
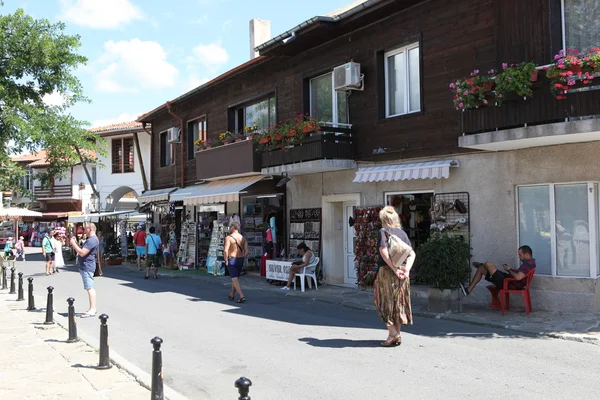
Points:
[(142, 53)]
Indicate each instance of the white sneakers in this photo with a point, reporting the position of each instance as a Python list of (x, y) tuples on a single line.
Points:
[(285, 288)]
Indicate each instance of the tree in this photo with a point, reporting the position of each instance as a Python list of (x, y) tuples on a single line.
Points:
[(37, 59)]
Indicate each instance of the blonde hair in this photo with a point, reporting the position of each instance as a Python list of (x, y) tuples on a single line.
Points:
[(389, 217)]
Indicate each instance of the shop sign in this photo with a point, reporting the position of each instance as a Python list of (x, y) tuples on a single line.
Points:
[(278, 270)]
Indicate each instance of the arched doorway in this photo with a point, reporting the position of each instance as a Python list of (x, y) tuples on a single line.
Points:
[(121, 199)]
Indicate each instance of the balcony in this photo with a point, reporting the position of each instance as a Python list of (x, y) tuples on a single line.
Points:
[(329, 151), (235, 159), (58, 192), (538, 121)]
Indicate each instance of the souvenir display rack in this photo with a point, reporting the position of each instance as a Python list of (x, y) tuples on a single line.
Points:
[(217, 244), (253, 227), (305, 226), (186, 257), (366, 247), (450, 214)]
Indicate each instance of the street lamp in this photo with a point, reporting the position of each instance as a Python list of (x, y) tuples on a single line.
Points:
[(94, 203), (109, 201)]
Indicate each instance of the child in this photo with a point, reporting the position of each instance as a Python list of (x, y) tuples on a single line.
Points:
[(20, 247), (8, 253)]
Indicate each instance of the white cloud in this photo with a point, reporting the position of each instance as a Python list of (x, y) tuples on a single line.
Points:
[(211, 56), (125, 117), (54, 99), (127, 66), (99, 14)]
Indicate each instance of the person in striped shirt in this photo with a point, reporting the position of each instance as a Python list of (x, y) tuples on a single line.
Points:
[(492, 274)]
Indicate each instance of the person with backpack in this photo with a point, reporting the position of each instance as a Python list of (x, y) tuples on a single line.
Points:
[(392, 285), (153, 251), (48, 252)]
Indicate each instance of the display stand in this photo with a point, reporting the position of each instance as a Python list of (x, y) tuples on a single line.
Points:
[(217, 245), (366, 248), (253, 229), (305, 226), (186, 258)]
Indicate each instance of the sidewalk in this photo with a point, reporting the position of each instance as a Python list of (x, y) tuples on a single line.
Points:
[(37, 363), (576, 327)]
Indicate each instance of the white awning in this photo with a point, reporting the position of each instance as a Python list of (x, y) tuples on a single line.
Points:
[(96, 216), (404, 172), (214, 192), (15, 212), (155, 195)]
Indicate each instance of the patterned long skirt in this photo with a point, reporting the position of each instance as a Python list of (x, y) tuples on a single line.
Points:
[(392, 298)]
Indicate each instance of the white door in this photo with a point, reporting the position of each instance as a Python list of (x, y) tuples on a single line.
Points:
[(349, 239)]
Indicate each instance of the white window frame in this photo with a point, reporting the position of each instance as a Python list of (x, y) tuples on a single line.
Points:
[(392, 53), (593, 213), (334, 99)]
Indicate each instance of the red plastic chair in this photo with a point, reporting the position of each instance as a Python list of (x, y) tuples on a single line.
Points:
[(504, 293)]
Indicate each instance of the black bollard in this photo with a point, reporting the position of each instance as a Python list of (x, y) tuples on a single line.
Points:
[(157, 376), (50, 307), (4, 286), (72, 326), (243, 386), (31, 305), (104, 356), (20, 298), (12, 281)]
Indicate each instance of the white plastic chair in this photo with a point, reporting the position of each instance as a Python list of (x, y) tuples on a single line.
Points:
[(310, 272)]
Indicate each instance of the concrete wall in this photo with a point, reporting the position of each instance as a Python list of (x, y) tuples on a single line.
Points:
[(490, 179)]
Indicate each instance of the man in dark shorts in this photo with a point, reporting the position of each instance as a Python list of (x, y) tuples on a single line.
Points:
[(153, 249), (235, 251), (48, 252), (493, 275)]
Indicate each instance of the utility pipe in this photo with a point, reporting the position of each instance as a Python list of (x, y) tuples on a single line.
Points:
[(181, 141)]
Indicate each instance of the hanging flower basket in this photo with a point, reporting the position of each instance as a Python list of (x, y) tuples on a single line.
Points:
[(82, 186), (534, 76)]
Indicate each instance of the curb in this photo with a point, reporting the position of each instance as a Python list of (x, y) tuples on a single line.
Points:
[(140, 376)]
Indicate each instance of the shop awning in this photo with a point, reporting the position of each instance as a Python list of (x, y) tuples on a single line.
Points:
[(156, 195), (61, 214), (404, 172), (214, 192), (96, 216)]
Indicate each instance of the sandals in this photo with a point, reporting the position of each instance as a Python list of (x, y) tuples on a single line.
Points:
[(230, 297), (241, 300), (396, 341), (87, 315)]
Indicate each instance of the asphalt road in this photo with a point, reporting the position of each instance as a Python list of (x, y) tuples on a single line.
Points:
[(295, 348)]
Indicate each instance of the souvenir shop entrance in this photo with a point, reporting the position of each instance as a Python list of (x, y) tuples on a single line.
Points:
[(413, 208)]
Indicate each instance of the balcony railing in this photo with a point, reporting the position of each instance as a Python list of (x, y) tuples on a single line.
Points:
[(333, 143), (228, 160), (58, 191), (540, 109)]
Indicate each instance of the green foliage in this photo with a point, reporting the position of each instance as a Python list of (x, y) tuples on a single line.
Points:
[(443, 261), (514, 78), (37, 60)]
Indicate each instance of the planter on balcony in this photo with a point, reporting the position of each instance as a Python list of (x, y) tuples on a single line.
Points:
[(235, 159)]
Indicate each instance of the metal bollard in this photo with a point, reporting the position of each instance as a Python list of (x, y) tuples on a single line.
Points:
[(157, 376), (12, 281), (72, 325), (50, 307), (31, 305), (4, 286), (20, 298), (243, 386), (104, 362)]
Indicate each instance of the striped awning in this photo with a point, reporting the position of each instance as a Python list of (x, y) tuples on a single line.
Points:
[(404, 172), (214, 192), (155, 195)]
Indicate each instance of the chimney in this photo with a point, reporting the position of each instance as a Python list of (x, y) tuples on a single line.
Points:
[(260, 32)]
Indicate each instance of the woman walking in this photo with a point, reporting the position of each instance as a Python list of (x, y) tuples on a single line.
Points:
[(234, 252), (20, 247), (58, 243), (392, 286)]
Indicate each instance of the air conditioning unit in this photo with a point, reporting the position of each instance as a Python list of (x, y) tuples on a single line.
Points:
[(173, 134), (347, 77)]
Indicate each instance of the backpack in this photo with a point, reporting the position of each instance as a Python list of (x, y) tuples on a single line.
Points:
[(398, 250)]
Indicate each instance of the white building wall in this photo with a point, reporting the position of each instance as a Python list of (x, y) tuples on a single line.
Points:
[(108, 183), (490, 179)]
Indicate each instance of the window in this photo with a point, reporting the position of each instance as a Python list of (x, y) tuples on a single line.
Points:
[(25, 180), (196, 130), (559, 222), (94, 175), (165, 149), (262, 113), (581, 29), (325, 103), (122, 155), (402, 81)]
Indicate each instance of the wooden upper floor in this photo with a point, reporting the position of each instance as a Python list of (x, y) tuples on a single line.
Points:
[(408, 50)]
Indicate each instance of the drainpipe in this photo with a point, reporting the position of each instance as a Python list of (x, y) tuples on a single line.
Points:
[(139, 154), (181, 140), (146, 129), (151, 143)]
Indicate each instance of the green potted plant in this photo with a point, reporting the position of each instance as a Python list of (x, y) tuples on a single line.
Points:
[(516, 79), (443, 262), (472, 92)]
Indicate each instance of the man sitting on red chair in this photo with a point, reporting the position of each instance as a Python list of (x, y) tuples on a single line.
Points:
[(493, 275)]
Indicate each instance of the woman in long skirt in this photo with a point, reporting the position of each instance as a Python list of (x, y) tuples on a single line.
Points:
[(57, 244), (392, 286)]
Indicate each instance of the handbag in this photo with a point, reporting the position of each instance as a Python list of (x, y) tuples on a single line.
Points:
[(159, 252)]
